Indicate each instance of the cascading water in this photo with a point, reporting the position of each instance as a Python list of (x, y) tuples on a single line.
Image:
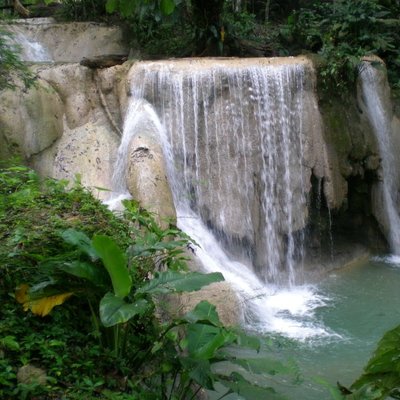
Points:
[(375, 92), (31, 50), (232, 135)]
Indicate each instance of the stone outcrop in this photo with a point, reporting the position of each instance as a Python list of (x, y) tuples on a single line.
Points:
[(30, 120), (219, 294), (89, 142), (147, 180)]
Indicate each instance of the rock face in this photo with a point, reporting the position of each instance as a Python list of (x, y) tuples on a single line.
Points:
[(221, 295), (30, 121), (88, 144)]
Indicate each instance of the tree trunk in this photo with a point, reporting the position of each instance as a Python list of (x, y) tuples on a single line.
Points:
[(20, 9)]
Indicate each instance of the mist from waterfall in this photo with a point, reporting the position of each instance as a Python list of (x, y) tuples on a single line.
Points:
[(376, 96), (233, 143)]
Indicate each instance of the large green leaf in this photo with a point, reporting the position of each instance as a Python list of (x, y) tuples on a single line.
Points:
[(167, 6), (382, 373), (115, 262), (199, 371), (81, 241), (171, 281), (264, 366), (203, 312), (114, 310), (203, 341)]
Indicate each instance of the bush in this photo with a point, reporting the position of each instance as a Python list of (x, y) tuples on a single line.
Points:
[(342, 32)]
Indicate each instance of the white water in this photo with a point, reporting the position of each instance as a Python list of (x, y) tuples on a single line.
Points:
[(375, 98), (221, 131), (31, 49)]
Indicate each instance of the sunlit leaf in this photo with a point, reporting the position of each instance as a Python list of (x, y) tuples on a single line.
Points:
[(167, 6), (42, 306), (111, 6)]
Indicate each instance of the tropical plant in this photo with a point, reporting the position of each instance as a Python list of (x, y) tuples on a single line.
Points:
[(179, 355), (381, 377)]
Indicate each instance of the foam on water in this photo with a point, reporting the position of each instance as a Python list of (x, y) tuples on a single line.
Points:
[(266, 307), (391, 259)]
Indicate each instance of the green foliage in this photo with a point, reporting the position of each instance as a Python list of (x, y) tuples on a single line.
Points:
[(381, 376), (342, 32), (107, 340)]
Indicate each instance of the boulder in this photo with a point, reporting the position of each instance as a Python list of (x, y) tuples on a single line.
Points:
[(28, 374), (30, 120), (147, 180), (220, 294)]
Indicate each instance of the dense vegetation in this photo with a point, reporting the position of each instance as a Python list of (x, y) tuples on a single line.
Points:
[(339, 31), (94, 317)]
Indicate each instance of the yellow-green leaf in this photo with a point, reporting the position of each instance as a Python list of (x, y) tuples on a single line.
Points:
[(43, 306)]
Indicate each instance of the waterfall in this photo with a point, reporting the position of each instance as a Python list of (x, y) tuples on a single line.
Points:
[(232, 137), (376, 96), (233, 140), (31, 50)]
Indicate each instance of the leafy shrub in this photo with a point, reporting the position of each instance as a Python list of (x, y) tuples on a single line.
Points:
[(342, 32)]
